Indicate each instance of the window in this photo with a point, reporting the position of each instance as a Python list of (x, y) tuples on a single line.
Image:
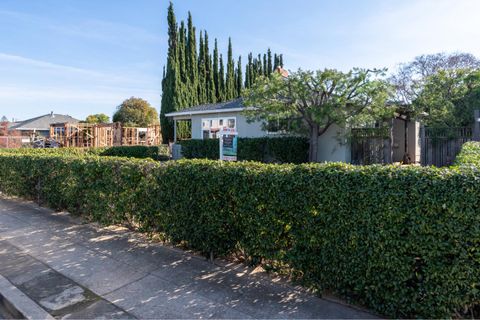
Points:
[(211, 127)]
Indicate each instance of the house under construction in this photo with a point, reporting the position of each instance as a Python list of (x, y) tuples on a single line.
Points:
[(103, 135)]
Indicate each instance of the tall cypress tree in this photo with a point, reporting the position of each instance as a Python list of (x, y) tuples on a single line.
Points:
[(269, 62), (275, 62), (202, 72), (265, 65), (171, 83), (221, 80), (182, 52), (215, 72), (280, 60), (230, 80), (191, 62), (259, 66), (239, 77)]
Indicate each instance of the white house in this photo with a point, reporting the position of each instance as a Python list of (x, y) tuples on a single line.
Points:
[(208, 119)]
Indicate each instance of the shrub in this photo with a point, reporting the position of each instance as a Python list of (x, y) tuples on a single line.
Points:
[(404, 241), (276, 150), (142, 152), (469, 155)]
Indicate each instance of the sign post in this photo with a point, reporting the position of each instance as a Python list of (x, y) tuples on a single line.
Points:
[(228, 144)]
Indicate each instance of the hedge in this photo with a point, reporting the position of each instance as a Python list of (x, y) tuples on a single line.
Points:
[(269, 150), (404, 241), (142, 152), (469, 155)]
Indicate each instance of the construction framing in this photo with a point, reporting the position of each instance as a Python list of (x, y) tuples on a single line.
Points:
[(103, 135)]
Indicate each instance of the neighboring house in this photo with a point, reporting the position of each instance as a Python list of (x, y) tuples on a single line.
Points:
[(41, 125)]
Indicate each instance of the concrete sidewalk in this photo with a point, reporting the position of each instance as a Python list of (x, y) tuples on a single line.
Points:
[(75, 270)]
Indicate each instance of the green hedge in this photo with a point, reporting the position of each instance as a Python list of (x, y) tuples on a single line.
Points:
[(142, 152), (469, 155), (269, 150), (404, 241)]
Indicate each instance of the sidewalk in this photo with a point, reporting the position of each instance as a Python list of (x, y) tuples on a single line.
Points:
[(74, 270)]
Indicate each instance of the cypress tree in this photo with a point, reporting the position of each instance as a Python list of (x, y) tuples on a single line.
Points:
[(191, 62), (210, 83), (275, 63), (247, 76), (171, 82), (202, 72), (221, 80), (215, 72), (239, 77), (265, 65), (259, 66), (269, 62), (182, 52), (230, 80), (280, 60)]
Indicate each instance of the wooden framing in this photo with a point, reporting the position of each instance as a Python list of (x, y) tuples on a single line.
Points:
[(103, 135)]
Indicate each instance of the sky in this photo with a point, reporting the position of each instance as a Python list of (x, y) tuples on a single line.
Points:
[(81, 57)]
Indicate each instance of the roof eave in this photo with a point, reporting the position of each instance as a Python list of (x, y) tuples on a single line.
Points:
[(200, 112)]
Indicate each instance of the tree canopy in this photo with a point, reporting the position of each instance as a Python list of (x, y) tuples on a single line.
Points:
[(136, 112), (441, 87), (97, 118), (320, 99)]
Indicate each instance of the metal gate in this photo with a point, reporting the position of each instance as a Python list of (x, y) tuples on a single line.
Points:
[(440, 146), (370, 145)]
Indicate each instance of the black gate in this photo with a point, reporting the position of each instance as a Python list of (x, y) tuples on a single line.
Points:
[(440, 146), (370, 145)]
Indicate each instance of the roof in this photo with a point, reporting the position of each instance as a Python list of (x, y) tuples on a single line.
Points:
[(43, 123), (227, 106)]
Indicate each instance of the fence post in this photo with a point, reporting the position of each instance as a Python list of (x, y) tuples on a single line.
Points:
[(388, 143), (476, 125)]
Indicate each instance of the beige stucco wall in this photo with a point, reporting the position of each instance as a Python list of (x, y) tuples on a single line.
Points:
[(333, 146), (245, 129)]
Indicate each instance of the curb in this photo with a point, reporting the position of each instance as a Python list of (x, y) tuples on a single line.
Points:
[(19, 304)]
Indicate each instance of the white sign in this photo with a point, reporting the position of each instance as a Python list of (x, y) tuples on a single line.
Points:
[(228, 144)]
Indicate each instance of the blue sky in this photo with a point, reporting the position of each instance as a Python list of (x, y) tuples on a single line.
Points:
[(80, 57)]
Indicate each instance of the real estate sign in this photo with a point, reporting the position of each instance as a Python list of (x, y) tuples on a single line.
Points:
[(228, 144)]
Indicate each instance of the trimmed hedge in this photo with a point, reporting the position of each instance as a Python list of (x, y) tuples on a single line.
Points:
[(469, 155), (268, 150), (142, 152), (404, 241)]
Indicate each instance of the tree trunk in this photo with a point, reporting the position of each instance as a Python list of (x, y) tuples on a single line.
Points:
[(313, 152)]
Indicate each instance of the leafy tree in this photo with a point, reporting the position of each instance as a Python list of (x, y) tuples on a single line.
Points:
[(97, 118), (136, 112), (448, 97), (411, 77), (4, 119), (320, 99)]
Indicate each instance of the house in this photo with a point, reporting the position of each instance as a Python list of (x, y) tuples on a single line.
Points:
[(208, 119), (41, 125)]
